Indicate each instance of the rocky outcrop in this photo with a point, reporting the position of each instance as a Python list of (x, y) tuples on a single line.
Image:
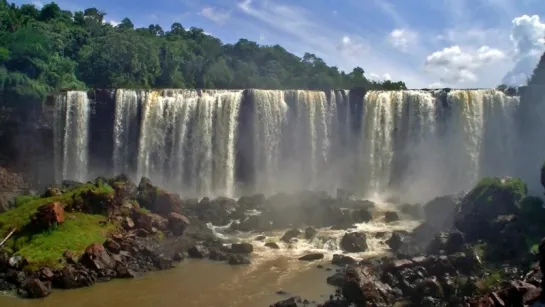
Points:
[(48, 215), (354, 242)]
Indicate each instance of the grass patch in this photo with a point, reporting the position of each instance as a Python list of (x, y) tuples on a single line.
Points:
[(23, 199), (46, 248), (77, 232), (20, 216)]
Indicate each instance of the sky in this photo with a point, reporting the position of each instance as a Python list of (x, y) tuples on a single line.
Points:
[(425, 43)]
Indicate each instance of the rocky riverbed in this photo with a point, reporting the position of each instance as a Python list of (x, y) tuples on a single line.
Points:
[(481, 249)]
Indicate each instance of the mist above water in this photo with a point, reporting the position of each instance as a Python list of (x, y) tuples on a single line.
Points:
[(411, 144)]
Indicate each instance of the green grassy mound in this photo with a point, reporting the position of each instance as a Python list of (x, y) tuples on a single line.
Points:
[(47, 247)]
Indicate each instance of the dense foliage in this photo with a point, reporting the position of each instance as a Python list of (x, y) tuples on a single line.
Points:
[(50, 49)]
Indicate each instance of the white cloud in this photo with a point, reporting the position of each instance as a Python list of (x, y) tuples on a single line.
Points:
[(436, 85), (300, 30), (112, 22), (528, 38), (402, 39), (261, 37), (215, 14), (452, 65), (38, 4), (379, 77)]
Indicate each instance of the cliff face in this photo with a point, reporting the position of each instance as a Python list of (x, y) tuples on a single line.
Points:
[(226, 142)]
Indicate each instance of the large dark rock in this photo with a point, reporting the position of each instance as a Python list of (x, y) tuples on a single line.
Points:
[(177, 223), (242, 248), (439, 212), (157, 200), (35, 288), (491, 198), (97, 258), (354, 242), (290, 234), (312, 257)]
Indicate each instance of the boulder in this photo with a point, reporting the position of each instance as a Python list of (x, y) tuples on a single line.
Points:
[(71, 277), (242, 248), (362, 216), (310, 233), (48, 215), (363, 288), (97, 258), (236, 259), (391, 216), (177, 223), (491, 198), (395, 241), (354, 242), (342, 260), (312, 257), (198, 251), (440, 211), (272, 245), (127, 223), (35, 288), (290, 234), (157, 200)]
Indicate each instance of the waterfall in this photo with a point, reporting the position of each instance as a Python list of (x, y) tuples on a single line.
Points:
[(125, 130), (414, 144), (71, 136), (187, 140)]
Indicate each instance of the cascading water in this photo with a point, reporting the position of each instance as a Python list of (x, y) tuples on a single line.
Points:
[(71, 136), (413, 144), (187, 140)]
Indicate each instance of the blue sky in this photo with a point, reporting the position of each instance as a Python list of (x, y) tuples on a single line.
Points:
[(426, 43)]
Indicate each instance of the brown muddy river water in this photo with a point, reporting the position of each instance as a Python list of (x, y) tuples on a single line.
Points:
[(198, 283)]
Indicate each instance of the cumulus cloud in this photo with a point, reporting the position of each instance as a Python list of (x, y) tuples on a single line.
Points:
[(379, 77), (528, 38), (350, 48), (402, 39), (215, 14), (453, 65)]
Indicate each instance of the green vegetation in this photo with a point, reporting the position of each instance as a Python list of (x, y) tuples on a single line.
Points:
[(50, 49), (75, 234), (492, 189), (20, 216)]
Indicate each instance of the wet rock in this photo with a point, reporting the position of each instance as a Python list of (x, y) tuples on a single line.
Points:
[(391, 216), (15, 277), (251, 202), (310, 233), (312, 257), (354, 242), (336, 279), (455, 243), (127, 223), (17, 262), (177, 223), (242, 248), (342, 260), (290, 302), (272, 245), (440, 211), (6, 286), (178, 257), (290, 234), (363, 288), (198, 251), (122, 271), (52, 192), (157, 200), (96, 258), (260, 238), (46, 274), (362, 216), (35, 288), (69, 257), (237, 259), (48, 215), (71, 277), (413, 210), (395, 241), (112, 246)]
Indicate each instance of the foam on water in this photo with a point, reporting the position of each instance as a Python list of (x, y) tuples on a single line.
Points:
[(326, 241)]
